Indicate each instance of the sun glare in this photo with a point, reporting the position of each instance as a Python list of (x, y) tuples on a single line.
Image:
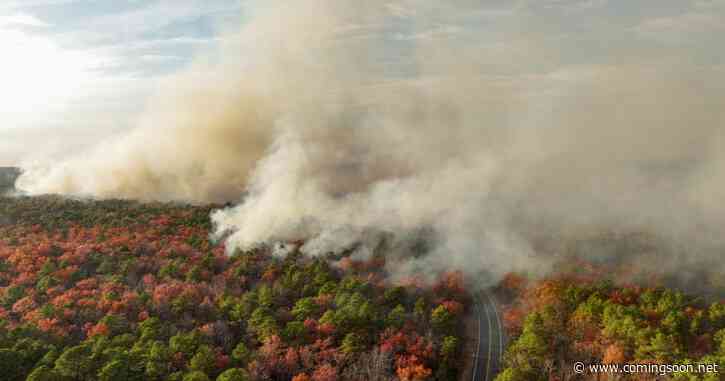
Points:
[(37, 78)]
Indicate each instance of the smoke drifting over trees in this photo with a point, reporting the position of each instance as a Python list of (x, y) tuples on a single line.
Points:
[(8, 175), (340, 120)]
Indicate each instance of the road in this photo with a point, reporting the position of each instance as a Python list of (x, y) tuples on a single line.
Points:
[(490, 348)]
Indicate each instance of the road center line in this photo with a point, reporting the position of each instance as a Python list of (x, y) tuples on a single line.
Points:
[(476, 306), (490, 342)]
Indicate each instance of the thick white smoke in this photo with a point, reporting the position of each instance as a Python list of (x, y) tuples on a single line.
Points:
[(345, 122)]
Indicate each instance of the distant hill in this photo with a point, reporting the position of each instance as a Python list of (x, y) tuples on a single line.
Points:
[(8, 175)]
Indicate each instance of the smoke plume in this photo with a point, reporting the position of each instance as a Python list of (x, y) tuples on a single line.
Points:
[(356, 125)]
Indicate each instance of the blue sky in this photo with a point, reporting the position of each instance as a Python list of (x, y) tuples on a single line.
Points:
[(85, 68), (137, 38)]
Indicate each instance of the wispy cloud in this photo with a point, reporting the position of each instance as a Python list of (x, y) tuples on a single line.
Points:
[(18, 4), (400, 9), (436, 32), (22, 19), (687, 27)]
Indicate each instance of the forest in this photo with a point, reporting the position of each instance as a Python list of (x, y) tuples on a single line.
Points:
[(122, 290), (558, 321), (119, 290)]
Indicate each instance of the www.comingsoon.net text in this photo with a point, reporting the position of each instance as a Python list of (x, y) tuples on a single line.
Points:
[(659, 369)]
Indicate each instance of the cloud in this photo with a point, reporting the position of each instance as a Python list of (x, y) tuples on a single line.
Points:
[(400, 9), (22, 19), (709, 4), (703, 18), (436, 32), (38, 75), (569, 5), (106, 61), (25, 4), (681, 28)]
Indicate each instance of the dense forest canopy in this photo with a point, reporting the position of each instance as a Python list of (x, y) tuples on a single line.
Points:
[(119, 290), (124, 290), (559, 321)]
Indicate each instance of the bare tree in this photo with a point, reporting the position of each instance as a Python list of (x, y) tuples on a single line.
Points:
[(375, 365)]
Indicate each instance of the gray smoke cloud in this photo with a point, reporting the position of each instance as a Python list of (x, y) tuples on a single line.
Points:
[(409, 125)]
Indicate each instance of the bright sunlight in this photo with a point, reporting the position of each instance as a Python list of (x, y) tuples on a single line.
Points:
[(37, 77)]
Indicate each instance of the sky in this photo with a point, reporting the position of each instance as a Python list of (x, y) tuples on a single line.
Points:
[(74, 72)]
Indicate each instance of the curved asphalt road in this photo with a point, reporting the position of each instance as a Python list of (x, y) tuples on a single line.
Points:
[(490, 348)]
